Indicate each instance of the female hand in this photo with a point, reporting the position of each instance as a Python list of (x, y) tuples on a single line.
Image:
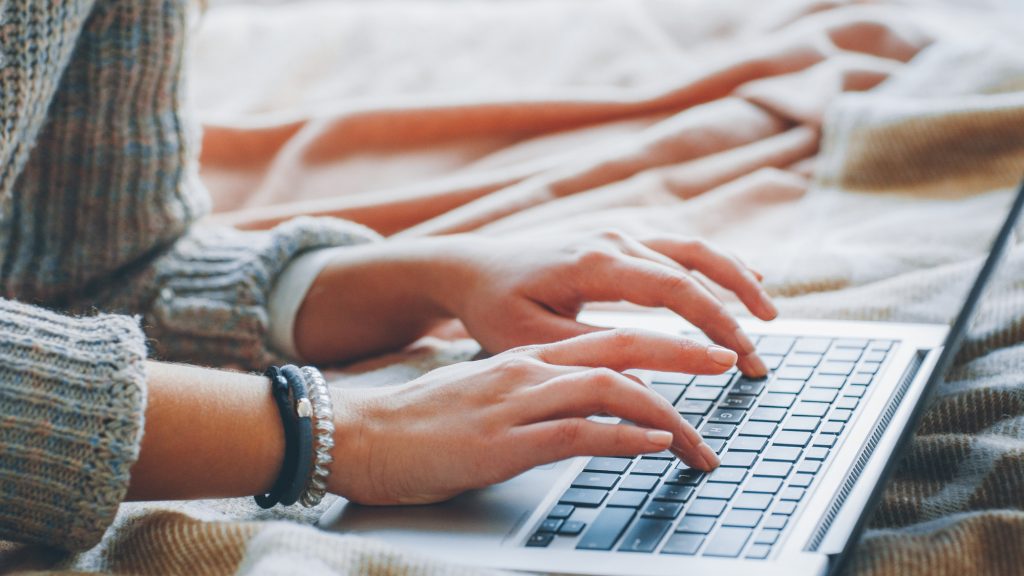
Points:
[(517, 291), (475, 424)]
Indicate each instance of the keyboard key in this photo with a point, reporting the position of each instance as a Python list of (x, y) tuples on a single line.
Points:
[(673, 492), (851, 343), (737, 402), (768, 415), (703, 393), (844, 355), (775, 345), (757, 429), (696, 524), (728, 542), (742, 518), (747, 387), (685, 406), (817, 453), (874, 356), (663, 455), (827, 381), (706, 507), (758, 552), (772, 361), (561, 511), (689, 476), (595, 480), (748, 444), (836, 368), (716, 444), (645, 535), (776, 401), (826, 440), (638, 482), (809, 467), (801, 480), (773, 469), (792, 493), (613, 465), (803, 360), (738, 459), (791, 438), (784, 508), (606, 529), (869, 368), (627, 499), (855, 390), (670, 378), (761, 485), (819, 395), (812, 345), (652, 467), (776, 522), (670, 392), (782, 453), (752, 501), (728, 475), (716, 380), (810, 409), (693, 419), (663, 510), (716, 430), (795, 372), (847, 403), (683, 544), (726, 416), (839, 415), (881, 344), (801, 424), (831, 428), (717, 491), (785, 386), (585, 497), (767, 537), (550, 525), (572, 528), (861, 379), (540, 540)]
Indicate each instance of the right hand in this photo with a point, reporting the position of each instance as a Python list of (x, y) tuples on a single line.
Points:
[(474, 424)]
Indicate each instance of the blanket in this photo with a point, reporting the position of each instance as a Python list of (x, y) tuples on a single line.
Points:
[(860, 155)]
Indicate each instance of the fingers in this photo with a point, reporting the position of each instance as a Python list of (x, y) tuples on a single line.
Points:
[(622, 349), (722, 268), (604, 391)]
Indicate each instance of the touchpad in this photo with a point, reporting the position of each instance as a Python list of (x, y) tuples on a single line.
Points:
[(490, 515)]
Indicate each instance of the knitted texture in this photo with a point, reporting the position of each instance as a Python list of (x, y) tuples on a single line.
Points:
[(98, 195), (73, 397)]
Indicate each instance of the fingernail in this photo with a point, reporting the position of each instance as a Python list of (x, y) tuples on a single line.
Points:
[(722, 356), (743, 344), (769, 306), (755, 365), (709, 456), (659, 438)]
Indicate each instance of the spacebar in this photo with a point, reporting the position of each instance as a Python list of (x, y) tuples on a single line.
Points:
[(606, 529)]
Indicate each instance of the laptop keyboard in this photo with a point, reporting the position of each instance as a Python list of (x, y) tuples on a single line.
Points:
[(773, 435)]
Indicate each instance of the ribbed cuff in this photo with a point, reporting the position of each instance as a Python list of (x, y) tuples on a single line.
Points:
[(213, 287), (73, 395)]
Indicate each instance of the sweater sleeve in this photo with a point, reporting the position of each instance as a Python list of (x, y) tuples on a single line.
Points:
[(204, 300), (73, 395)]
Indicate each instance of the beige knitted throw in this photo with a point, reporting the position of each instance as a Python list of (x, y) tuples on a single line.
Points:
[(912, 180)]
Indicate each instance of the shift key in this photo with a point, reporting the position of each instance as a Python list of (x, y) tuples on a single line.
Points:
[(606, 529)]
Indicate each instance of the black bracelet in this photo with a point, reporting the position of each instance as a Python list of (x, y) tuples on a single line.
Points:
[(303, 410), (279, 389)]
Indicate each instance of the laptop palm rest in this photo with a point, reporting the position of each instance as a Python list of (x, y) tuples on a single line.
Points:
[(480, 518)]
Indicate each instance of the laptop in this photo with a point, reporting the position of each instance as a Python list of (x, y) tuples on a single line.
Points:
[(805, 454)]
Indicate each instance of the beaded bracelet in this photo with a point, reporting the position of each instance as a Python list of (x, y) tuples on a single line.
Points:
[(323, 441)]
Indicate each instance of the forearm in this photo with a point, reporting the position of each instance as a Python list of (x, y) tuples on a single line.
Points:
[(207, 433)]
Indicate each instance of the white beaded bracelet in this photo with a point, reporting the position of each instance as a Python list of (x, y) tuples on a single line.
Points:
[(323, 437)]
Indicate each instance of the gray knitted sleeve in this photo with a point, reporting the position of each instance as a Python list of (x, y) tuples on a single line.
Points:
[(204, 300), (73, 395)]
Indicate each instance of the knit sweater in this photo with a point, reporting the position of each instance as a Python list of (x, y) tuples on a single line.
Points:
[(99, 194)]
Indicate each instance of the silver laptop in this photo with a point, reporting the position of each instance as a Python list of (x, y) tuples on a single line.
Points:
[(805, 455)]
